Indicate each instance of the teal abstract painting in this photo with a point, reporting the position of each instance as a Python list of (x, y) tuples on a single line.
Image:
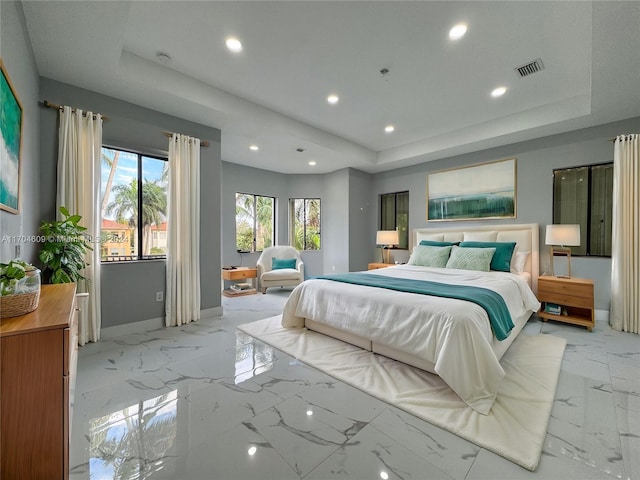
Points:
[(10, 141), (486, 190)]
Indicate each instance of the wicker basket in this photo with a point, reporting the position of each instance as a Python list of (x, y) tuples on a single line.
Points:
[(16, 305)]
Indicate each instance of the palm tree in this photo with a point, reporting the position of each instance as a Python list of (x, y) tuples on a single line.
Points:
[(307, 224), (264, 223), (125, 208), (113, 165), (254, 213)]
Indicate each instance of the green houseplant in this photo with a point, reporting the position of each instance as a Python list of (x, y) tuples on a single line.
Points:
[(12, 276), (19, 288), (64, 249)]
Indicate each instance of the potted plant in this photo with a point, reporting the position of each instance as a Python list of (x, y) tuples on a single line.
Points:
[(19, 288), (64, 248)]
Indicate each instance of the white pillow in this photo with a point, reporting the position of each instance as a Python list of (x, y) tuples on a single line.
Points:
[(489, 236), (436, 237), (518, 260), (467, 258)]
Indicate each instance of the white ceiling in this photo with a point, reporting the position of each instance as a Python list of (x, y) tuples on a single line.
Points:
[(273, 94)]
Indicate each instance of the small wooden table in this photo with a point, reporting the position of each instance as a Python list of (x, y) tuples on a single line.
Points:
[(376, 265), (236, 275), (573, 295)]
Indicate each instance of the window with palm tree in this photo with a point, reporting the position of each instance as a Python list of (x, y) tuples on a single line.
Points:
[(255, 222), (304, 223), (134, 206)]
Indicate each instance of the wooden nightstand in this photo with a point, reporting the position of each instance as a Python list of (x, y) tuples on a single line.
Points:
[(574, 295), (237, 275), (375, 266)]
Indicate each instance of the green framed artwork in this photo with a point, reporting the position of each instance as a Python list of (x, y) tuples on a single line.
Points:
[(478, 192), (10, 148)]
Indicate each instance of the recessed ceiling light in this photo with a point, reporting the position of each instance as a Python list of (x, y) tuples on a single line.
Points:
[(389, 128), (233, 44), (498, 92), (312, 162), (333, 99), (255, 148), (458, 31)]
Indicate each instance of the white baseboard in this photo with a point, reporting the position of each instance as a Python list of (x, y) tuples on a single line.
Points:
[(143, 326), (211, 312), (602, 316)]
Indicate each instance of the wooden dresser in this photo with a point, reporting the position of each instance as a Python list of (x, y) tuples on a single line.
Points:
[(38, 352)]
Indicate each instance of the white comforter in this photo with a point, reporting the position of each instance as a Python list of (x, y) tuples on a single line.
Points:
[(454, 335)]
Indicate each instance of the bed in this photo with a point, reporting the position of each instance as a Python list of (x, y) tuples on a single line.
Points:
[(451, 337)]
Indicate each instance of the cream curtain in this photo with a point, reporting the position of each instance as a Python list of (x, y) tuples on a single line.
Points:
[(79, 144), (183, 231), (625, 251)]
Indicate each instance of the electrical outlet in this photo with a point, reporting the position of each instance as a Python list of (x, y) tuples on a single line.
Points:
[(159, 296)]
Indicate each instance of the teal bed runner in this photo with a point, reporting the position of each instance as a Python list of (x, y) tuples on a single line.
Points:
[(491, 301)]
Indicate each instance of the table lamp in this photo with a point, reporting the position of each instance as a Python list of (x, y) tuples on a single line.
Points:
[(558, 237), (387, 238)]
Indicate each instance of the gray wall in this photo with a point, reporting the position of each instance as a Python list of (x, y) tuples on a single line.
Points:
[(335, 225), (360, 207), (345, 214), (128, 289), (536, 160), (19, 63), (239, 178)]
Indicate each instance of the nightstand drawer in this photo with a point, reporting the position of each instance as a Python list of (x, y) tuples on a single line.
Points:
[(569, 300), (548, 287), (239, 273), (376, 265)]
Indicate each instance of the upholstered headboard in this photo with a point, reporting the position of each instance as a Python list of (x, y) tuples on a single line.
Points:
[(525, 236)]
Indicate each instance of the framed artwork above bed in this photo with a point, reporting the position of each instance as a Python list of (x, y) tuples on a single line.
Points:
[(10, 138), (482, 191)]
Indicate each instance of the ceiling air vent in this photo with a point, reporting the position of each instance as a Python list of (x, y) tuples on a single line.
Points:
[(530, 68)]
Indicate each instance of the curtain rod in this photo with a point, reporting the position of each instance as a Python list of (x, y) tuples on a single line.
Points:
[(203, 143), (627, 137), (45, 103)]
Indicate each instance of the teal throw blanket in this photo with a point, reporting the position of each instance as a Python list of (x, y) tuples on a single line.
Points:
[(491, 301)]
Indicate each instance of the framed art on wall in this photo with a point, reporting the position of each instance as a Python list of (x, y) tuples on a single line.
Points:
[(482, 191), (10, 146)]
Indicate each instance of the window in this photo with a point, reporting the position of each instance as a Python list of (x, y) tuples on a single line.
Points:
[(304, 223), (255, 222), (584, 195), (134, 205), (394, 215)]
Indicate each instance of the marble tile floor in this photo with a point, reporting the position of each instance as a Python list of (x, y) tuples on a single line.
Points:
[(205, 401)]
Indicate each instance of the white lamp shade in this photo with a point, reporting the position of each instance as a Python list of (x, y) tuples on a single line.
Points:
[(564, 235), (387, 237)]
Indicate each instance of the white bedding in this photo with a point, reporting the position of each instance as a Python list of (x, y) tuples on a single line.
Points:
[(454, 335)]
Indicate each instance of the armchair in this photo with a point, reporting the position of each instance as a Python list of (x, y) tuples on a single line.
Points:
[(268, 276)]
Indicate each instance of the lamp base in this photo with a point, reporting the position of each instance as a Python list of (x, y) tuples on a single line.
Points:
[(560, 251)]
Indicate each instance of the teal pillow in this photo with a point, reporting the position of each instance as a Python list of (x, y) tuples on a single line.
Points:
[(501, 260), (434, 243), (467, 258), (429, 256), (279, 263)]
